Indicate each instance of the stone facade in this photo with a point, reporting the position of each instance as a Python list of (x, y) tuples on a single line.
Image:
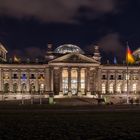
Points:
[(68, 75)]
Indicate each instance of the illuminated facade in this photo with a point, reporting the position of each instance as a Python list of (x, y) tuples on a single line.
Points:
[(67, 72)]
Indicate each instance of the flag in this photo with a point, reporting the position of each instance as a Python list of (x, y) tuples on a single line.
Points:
[(115, 60), (129, 56), (16, 59)]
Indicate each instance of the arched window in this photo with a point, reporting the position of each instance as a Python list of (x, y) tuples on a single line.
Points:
[(111, 89)]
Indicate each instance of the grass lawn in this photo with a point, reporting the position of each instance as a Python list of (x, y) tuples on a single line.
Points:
[(58, 123)]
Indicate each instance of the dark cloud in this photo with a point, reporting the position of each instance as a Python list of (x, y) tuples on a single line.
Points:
[(30, 52), (55, 10), (111, 43)]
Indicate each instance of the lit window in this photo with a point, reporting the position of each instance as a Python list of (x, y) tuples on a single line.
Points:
[(111, 88), (119, 88), (127, 77), (23, 77), (103, 89), (135, 77), (134, 88), (82, 74), (6, 76), (125, 87), (41, 77)]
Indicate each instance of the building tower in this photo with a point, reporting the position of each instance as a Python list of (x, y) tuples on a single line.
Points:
[(3, 53), (97, 55), (49, 53)]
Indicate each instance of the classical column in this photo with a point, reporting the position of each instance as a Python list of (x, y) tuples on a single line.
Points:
[(138, 83), (48, 79), (51, 80), (60, 79), (79, 81), (69, 81), (94, 82), (131, 83), (87, 81), (115, 85), (123, 83), (107, 84), (10, 80), (99, 81), (19, 81), (37, 82), (28, 81)]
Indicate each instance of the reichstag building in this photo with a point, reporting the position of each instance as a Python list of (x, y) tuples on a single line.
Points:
[(68, 72)]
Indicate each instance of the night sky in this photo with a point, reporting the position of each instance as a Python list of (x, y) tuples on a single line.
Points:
[(27, 26)]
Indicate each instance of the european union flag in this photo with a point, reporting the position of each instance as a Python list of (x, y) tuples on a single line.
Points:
[(115, 60)]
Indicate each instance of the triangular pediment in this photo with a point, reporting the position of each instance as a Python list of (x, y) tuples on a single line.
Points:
[(74, 58)]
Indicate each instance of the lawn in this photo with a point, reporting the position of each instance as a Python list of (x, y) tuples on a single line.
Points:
[(67, 123)]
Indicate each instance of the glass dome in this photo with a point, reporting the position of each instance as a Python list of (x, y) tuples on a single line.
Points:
[(68, 48), (136, 54)]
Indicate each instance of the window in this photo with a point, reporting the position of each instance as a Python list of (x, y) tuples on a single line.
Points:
[(41, 77), (111, 88), (111, 77), (15, 76), (65, 81), (103, 88), (119, 77), (32, 76), (119, 88), (135, 77), (6, 76), (103, 77), (23, 77), (134, 88), (127, 77), (125, 88), (82, 74)]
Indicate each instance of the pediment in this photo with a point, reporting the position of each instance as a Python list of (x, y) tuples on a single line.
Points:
[(74, 58)]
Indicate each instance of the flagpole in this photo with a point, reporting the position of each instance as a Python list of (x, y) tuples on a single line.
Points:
[(129, 59), (127, 85), (127, 96)]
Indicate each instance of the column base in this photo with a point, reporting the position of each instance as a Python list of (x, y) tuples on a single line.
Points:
[(79, 93), (69, 94), (60, 93), (88, 93)]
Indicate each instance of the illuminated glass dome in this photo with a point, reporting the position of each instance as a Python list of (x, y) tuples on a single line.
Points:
[(68, 48), (136, 54)]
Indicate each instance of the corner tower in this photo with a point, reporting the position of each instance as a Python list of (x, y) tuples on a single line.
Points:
[(3, 53)]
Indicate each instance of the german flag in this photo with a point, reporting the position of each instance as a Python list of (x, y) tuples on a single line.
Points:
[(16, 59), (129, 57)]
